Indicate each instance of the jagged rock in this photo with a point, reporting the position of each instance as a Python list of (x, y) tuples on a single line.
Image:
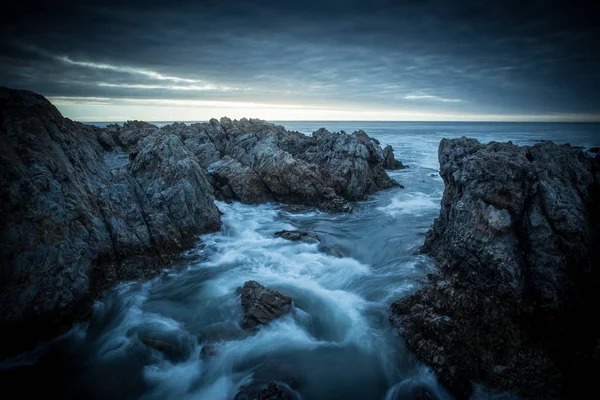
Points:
[(261, 305), (389, 161), (107, 141), (255, 161), (232, 180), (70, 227), (301, 236), (517, 245), (171, 352)]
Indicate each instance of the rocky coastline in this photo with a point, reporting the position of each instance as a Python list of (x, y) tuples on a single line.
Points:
[(517, 242), (517, 246), (84, 208)]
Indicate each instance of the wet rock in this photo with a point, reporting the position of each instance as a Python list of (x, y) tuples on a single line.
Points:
[(295, 208), (516, 244), (389, 161), (333, 249), (296, 236), (272, 392), (171, 352), (594, 150), (74, 221), (261, 305)]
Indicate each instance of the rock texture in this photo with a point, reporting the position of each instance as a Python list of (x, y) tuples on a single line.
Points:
[(255, 161), (389, 162), (261, 305), (517, 246), (299, 236), (77, 217)]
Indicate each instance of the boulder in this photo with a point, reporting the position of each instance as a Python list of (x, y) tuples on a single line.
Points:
[(516, 244), (296, 236), (389, 161), (261, 305)]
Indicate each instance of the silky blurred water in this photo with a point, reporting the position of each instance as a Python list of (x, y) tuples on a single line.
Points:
[(337, 342)]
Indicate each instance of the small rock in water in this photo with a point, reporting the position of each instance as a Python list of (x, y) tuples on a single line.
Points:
[(295, 208), (262, 305), (594, 150), (209, 350), (170, 351), (301, 236), (272, 392)]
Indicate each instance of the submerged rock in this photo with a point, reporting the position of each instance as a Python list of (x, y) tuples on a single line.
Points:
[(301, 236), (171, 352), (517, 244), (389, 161), (261, 305)]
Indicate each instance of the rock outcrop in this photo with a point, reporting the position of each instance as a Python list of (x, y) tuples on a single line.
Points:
[(254, 161), (261, 305), (517, 245), (389, 161), (84, 208), (76, 217)]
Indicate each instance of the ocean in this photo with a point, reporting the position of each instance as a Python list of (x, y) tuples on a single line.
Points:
[(336, 344)]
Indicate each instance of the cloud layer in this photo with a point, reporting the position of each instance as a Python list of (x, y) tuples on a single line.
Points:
[(437, 57)]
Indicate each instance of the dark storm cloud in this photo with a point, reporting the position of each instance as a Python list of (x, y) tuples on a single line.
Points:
[(463, 56)]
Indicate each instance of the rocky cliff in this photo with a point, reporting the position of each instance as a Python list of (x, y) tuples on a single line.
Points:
[(77, 218), (83, 208), (517, 246)]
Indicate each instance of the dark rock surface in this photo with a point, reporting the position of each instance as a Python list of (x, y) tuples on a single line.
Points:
[(272, 392), (594, 150), (255, 161), (389, 161), (170, 351), (301, 236), (76, 219), (517, 247), (261, 305)]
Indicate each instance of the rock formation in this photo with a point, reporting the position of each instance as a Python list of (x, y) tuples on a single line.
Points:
[(261, 305), (517, 247), (389, 162), (77, 217), (84, 208), (253, 161)]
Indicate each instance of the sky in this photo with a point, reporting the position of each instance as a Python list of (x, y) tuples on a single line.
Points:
[(415, 60)]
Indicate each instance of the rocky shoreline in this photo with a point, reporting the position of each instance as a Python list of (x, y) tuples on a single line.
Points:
[(516, 243), (84, 208), (517, 246)]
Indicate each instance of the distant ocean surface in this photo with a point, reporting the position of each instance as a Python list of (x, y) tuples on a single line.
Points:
[(337, 344)]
